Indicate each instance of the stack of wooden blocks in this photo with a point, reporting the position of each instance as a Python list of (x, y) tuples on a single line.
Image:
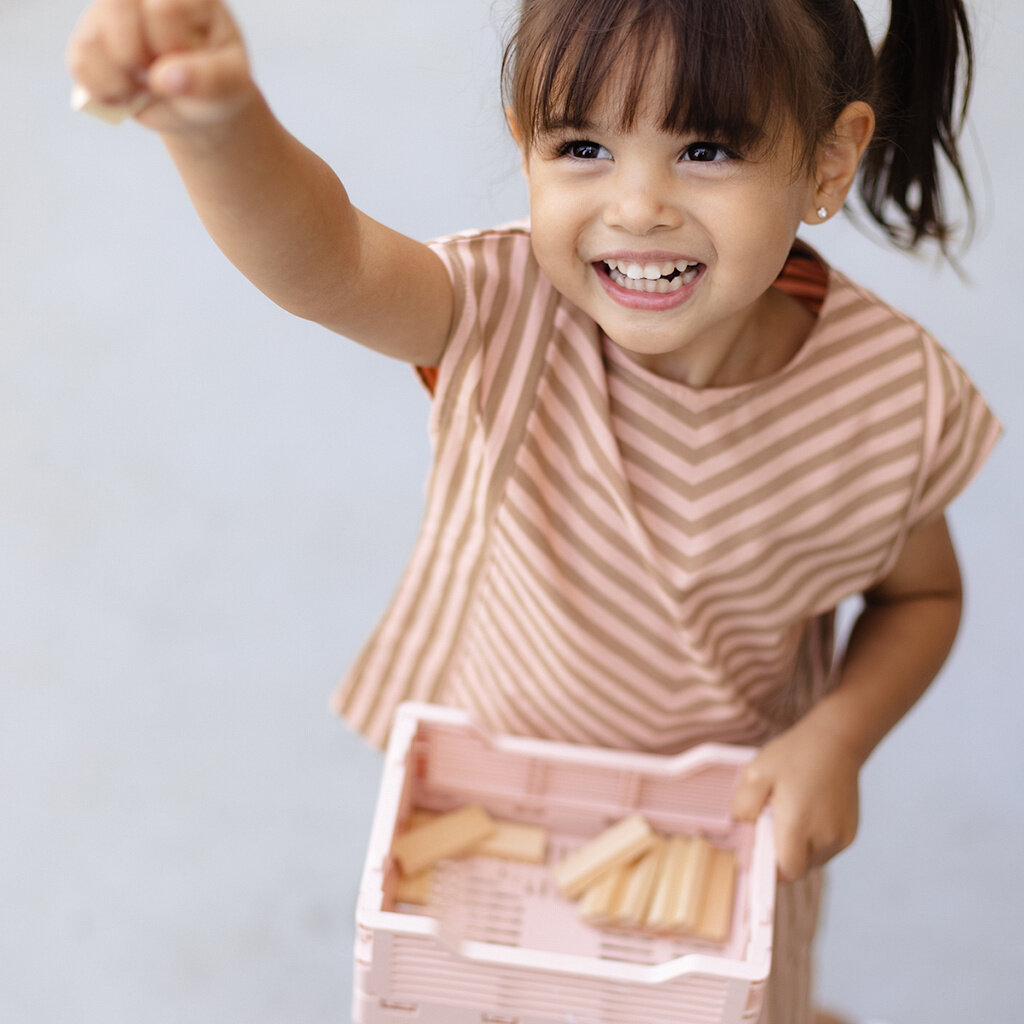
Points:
[(627, 877), (631, 877)]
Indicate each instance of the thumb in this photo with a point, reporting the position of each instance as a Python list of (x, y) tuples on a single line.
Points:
[(751, 795), (200, 74)]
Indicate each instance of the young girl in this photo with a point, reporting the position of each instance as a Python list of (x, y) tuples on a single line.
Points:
[(669, 439)]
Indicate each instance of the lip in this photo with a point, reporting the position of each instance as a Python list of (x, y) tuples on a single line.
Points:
[(649, 301)]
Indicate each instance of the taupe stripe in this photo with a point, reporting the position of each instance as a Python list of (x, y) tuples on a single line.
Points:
[(591, 638), (411, 616), (642, 632), (729, 529), (756, 437), (527, 652), (501, 463), (774, 522), (777, 558)]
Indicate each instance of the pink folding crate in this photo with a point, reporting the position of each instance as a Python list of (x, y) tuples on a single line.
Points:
[(496, 943)]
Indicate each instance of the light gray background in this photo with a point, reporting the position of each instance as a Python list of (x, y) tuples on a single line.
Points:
[(205, 505)]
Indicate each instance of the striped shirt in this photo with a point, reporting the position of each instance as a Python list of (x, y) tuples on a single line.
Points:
[(613, 558)]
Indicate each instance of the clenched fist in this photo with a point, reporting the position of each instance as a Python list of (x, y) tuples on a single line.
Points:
[(183, 62)]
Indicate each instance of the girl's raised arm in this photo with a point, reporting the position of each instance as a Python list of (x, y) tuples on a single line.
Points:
[(275, 209)]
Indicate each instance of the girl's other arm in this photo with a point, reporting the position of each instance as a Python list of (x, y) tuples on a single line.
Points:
[(809, 774), (274, 208)]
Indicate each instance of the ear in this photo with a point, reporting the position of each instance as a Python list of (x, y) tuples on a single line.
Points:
[(838, 159)]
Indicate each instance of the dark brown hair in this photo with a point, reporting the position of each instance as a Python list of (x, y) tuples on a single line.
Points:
[(744, 69)]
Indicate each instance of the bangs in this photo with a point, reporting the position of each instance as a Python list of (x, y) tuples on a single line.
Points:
[(732, 68)]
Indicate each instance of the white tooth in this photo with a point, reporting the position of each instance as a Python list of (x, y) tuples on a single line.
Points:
[(633, 271), (652, 271), (667, 268), (650, 286)]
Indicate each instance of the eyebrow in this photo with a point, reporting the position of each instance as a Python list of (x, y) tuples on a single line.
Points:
[(557, 126)]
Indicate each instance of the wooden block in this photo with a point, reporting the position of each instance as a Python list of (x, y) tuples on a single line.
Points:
[(415, 889), (112, 113), (661, 914), (418, 817), (692, 885), (602, 896), (634, 901), (448, 835), (715, 918), (514, 841), (620, 844)]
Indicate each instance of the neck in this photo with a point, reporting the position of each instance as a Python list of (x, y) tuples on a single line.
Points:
[(770, 335)]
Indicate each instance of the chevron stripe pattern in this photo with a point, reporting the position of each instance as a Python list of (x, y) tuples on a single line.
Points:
[(610, 557)]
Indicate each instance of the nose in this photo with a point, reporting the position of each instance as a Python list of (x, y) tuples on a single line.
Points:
[(642, 201)]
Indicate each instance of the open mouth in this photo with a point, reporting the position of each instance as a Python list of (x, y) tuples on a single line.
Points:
[(660, 278)]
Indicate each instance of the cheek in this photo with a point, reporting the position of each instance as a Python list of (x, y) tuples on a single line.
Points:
[(545, 248), (554, 235), (768, 223)]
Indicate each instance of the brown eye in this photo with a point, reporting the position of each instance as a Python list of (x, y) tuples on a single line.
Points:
[(583, 149), (707, 153)]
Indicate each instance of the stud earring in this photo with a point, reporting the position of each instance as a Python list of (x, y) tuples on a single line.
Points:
[(822, 212)]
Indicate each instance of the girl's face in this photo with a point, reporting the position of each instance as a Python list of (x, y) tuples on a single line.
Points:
[(671, 243)]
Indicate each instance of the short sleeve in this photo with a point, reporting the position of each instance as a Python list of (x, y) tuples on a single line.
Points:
[(446, 382), (430, 375), (960, 432)]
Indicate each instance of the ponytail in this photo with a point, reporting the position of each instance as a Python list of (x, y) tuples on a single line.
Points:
[(919, 117)]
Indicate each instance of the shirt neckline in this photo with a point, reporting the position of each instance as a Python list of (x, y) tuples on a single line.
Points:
[(807, 277)]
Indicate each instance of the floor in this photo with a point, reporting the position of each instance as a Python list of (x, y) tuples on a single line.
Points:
[(206, 504)]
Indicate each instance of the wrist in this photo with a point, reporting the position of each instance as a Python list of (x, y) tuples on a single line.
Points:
[(839, 728), (243, 118)]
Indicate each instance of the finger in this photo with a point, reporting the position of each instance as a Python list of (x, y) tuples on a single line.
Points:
[(93, 64), (751, 796), (206, 75), (124, 35), (827, 846), (792, 855), (177, 25)]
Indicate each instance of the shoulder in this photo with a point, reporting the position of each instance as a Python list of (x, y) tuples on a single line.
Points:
[(916, 383), (491, 269), (485, 245), (499, 287), (847, 311), (506, 312), (891, 347), (854, 316)]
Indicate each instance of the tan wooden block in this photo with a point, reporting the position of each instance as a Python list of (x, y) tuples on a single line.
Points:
[(634, 901), (601, 897), (692, 885), (661, 914), (620, 844), (515, 841), (448, 835), (418, 817), (715, 918), (415, 889)]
